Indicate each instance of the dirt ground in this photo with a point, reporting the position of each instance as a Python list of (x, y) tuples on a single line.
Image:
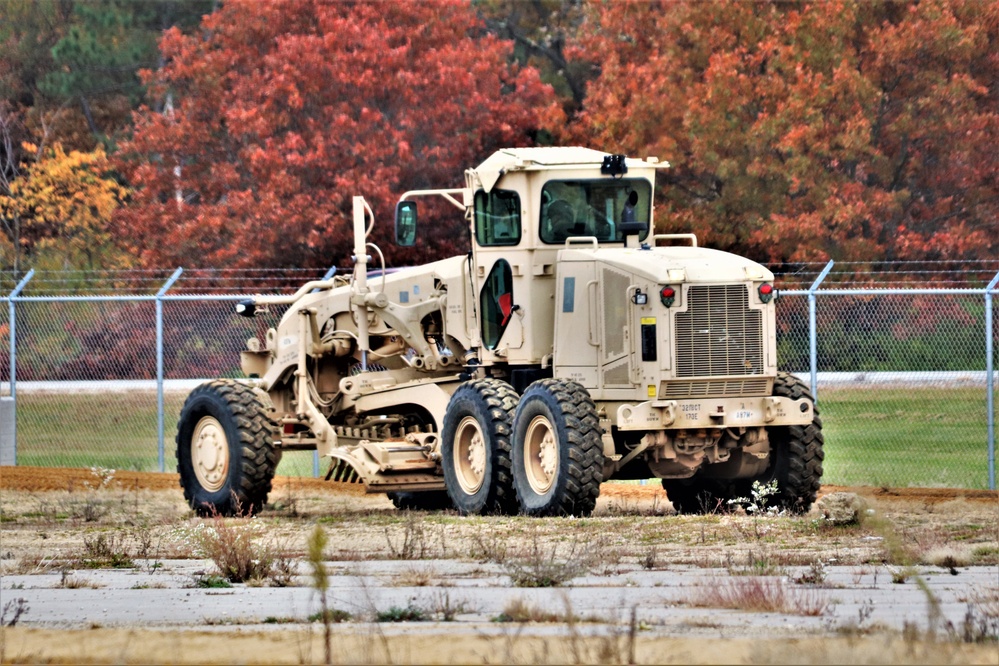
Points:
[(61, 478), (51, 518)]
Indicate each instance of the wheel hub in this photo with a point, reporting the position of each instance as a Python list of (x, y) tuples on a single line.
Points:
[(210, 454), (541, 455), (470, 455)]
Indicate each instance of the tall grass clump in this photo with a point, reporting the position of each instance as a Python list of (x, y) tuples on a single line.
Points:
[(233, 545), (537, 566), (761, 595)]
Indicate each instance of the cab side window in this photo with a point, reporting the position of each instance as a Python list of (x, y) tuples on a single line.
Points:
[(497, 218)]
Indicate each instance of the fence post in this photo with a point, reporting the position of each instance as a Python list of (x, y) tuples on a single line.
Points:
[(989, 380), (159, 363), (12, 300), (813, 344)]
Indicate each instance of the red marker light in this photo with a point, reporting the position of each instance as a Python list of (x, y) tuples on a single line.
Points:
[(766, 291), (667, 295)]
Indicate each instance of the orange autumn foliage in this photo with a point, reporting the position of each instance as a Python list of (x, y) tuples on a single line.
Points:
[(807, 130), (283, 111)]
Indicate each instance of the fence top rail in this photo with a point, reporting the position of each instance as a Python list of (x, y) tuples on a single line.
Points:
[(124, 298), (934, 276), (149, 282), (833, 291), (931, 274)]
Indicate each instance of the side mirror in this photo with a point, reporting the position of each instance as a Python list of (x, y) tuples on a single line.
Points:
[(405, 223)]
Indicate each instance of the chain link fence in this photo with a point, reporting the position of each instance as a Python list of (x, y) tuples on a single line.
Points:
[(100, 377), (900, 368), (900, 360)]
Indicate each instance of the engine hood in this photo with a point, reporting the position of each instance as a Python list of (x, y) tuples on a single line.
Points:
[(660, 264)]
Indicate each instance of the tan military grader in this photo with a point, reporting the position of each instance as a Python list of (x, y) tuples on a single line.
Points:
[(569, 347)]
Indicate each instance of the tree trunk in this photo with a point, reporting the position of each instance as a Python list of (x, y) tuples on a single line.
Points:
[(89, 116)]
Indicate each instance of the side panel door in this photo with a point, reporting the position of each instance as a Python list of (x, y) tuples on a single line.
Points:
[(616, 328), (577, 323)]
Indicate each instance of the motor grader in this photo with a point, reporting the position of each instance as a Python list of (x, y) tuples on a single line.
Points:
[(570, 346)]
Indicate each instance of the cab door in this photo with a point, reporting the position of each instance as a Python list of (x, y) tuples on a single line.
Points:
[(496, 303)]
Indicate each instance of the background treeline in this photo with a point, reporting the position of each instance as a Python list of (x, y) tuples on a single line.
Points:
[(233, 133)]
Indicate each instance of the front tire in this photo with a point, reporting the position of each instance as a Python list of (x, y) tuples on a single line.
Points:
[(795, 454), (475, 447), (558, 450), (225, 449)]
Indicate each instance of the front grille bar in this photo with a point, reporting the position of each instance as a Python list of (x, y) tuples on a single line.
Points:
[(719, 335)]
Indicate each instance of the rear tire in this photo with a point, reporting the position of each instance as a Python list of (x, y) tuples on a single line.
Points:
[(795, 454), (225, 449), (697, 495), (558, 458), (475, 447), (431, 500)]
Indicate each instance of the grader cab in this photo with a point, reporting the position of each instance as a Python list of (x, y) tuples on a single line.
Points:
[(569, 347)]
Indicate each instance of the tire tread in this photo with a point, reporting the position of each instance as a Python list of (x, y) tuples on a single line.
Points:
[(256, 430)]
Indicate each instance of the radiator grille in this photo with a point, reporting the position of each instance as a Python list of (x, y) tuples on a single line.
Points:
[(719, 335), (713, 388)]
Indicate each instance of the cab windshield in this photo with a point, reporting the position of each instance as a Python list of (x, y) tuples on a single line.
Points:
[(593, 208)]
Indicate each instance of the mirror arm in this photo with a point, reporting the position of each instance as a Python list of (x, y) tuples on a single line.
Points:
[(466, 195)]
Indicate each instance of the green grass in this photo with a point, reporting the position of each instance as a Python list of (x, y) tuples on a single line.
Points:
[(112, 430), (924, 437), (874, 436)]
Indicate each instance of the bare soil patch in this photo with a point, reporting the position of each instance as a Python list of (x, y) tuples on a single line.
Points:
[(63, 478)]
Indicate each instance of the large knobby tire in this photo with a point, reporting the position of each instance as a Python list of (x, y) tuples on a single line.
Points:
[(225, 448), (558, 458), (431, 500), (698, 495), (475, 447), (795, 454)]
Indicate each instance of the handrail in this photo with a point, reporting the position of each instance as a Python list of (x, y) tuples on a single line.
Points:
[(691, 237)]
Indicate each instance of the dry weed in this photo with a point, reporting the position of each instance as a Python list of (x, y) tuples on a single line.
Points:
[(948, 557), (232, 544), (520, 610), (762, 595), (415, 542), (445, 608), (540, 566), (70, 582), (415, 576)]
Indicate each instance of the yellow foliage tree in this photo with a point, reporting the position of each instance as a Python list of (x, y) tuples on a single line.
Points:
[(65, 202)]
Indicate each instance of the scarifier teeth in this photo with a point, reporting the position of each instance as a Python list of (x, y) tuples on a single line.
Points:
[(372, 367), (342, 472)]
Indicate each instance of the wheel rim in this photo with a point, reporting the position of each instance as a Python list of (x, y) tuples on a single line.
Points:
[(540, 455), (210, 454), (470, 455)]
